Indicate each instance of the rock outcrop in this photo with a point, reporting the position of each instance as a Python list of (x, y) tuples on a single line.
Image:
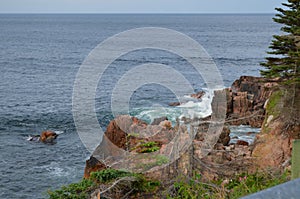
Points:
[(118, 130), (157, 121), (246, 99), (91, 165), (273, 146), (198, 95), (126, 134), (250, 101), (47, 137)]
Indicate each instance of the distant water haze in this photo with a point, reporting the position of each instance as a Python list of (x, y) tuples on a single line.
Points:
[(138, 6)]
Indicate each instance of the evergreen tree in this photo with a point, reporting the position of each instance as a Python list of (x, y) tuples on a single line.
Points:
[(285, 62)]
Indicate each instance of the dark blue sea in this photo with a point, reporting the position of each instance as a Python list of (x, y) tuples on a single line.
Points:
[(40, 56)]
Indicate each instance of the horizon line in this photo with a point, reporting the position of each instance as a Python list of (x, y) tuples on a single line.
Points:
[(166, 13)]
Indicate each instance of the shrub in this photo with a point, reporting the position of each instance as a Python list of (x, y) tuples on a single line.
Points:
[(149, 147), (108, 175), (83, 189), (73, 191), (237, 187)]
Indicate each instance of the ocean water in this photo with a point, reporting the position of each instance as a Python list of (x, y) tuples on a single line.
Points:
[(40, 56)]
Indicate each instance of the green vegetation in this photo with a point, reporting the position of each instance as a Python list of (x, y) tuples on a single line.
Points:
[(274, 101), (78, 190), (133, 135), (148, 147), (108, 175), (296, 160), (158, 161), (193, 188), (285, 62), (83, 189), (145, 185), (237, 187)]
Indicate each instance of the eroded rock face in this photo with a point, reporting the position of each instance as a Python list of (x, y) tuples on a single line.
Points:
[(273, 146), (126, 134), (126, 131), (93, 164), (226, 162), (246, 99), (224, 138), (118, 130), (245, 104)]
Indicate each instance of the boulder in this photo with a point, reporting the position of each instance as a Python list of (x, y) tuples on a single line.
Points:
[(121, 130), (174, 104), (157, 121), (166, 124), (48, 136), (224, 138), (242, 142), (198, 95)]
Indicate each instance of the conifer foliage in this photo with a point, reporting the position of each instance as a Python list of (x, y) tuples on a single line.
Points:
[(285, 48)]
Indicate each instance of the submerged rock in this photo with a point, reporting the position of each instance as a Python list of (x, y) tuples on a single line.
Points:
[(157, 121), (198, 95), (45, 137), (174, 104), (48, 136)]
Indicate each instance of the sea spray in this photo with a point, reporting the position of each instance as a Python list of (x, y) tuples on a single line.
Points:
[(198, 108), (190, 108)]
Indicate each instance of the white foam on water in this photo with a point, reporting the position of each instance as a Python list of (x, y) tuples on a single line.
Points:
[(59, 132), (29, 137), (149, 114), (198, 108), (190, 108), (55, 170), (243, 132), (189, 97), (32, 138)]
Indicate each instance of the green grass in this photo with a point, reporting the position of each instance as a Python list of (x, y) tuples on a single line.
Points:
[(296, 159), (108, 175), (83, 189), (73, 191), (148, 147), (274, 101), (159, 160), (237, 187), (194, 188)]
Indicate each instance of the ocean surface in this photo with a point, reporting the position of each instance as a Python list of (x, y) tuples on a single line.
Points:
[(40, 56)]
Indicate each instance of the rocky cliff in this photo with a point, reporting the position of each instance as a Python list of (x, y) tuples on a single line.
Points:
[(273, 146), (250, 101), (246, 99)]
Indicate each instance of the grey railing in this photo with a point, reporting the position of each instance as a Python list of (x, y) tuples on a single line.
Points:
[(288, 190)]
